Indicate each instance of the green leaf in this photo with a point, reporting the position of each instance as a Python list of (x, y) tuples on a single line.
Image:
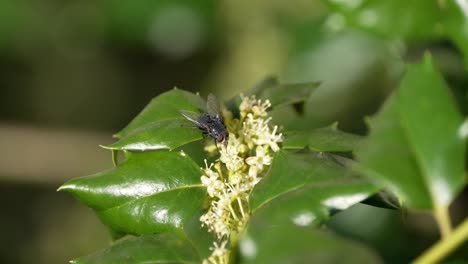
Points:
[(259, 88), (200, 238), (188, 245), (164, 107), (161, 248), (309, 183), (454, 25), (150, 192), (278, 94), (290, 93), (272, 242), (414, 146), (416, 19), (294, 197), (323, 139), (165, 134)]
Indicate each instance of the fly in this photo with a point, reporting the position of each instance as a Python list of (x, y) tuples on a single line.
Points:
[(210, 123)]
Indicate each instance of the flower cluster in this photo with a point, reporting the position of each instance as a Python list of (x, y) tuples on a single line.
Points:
[(241, 165)]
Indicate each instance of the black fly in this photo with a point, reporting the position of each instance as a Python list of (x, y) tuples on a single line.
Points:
[(210, 123)]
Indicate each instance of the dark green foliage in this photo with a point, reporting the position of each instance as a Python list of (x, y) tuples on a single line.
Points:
[(418, 130), (156, 195)]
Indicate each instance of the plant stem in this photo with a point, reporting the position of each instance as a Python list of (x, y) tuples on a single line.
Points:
[(444, 246), (442, 217), (241, 208), (233, 213)]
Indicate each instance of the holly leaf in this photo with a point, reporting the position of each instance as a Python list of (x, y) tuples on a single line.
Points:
[(150, 192), (165, 106), (165, 134), (275, 240), (288, 93), (161, 248), (328, 139), (188, 245), (279, 94), (298, 193), (160, 125), (414, 146), (306, 186)]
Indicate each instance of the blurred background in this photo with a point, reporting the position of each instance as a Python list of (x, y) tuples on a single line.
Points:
[(74, 72)]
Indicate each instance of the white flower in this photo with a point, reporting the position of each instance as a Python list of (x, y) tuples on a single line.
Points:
[(237, 171), (260, 159), (236, 178), (230, 154), (271, 139), (259, 109), (220, 254), (213, 185)]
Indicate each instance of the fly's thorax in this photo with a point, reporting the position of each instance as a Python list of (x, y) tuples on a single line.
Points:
[(213, 126)]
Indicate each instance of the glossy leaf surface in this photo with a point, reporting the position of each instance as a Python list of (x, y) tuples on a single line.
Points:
[(164, 107), (161, 248), (265, 242), (150, 192), (161, 125), (200, 238), (295, 196), (188, 245), (322, 139), (309, 183), (414, 145), (165, 134)]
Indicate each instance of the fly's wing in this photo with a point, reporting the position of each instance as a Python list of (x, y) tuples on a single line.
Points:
[(191, 116), (212, 106)]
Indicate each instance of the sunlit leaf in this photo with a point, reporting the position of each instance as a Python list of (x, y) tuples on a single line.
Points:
[(298, 193), (148, 193), (322, 139), (161, 248), (166, 106), (307, 184), (188, 245), (272, 241), (160, 125), (414, 146), (165, 134), (201, 239)]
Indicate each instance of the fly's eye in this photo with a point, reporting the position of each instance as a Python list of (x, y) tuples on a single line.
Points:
[(220, 138)]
